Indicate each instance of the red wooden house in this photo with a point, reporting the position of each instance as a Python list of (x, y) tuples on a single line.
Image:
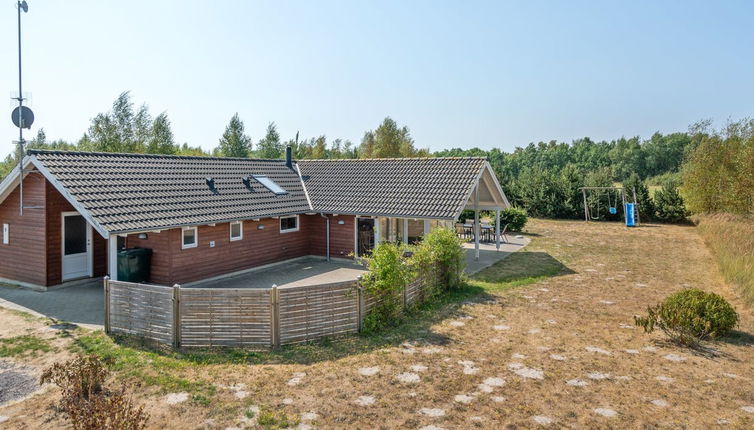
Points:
[(65, 216)]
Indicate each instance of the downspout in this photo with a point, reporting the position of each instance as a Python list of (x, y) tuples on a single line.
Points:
[(328, 234)]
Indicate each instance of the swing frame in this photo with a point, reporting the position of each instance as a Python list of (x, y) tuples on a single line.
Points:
[(587, 214)]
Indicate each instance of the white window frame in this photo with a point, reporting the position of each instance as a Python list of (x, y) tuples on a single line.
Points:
[(230, 228), (6, 234), (290, 230), (196, 237)]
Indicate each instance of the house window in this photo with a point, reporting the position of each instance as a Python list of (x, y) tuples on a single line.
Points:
[(289, 224), (6, 236), (236, 230), (189, 238)]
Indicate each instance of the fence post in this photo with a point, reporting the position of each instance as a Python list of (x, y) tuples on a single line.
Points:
[(176, 315), (274, 317), (362, 302), (107, 304)]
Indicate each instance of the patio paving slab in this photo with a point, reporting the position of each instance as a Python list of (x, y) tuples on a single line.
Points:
[(309, 271), (489, 255)]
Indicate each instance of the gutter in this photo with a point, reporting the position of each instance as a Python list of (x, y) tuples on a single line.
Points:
[(328, 234)]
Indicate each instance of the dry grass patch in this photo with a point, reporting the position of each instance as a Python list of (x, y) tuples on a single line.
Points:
[(469, 372)]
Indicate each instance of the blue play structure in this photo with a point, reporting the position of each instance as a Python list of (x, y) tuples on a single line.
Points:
[(630, 221)]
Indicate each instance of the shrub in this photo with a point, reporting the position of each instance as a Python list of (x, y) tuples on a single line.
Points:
[(669, 205), (516, 218), (439, 260), (386, 279), (690, 316), (86, 401)]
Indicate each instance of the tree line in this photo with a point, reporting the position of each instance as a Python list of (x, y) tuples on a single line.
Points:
[(544, 178)]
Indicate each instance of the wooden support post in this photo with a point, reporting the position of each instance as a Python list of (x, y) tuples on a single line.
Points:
[(274, 317), (497, 229), (359, 304), (107, 304), (112, 256), (477, 230), (176, 316), (405, 230), (586, 208)]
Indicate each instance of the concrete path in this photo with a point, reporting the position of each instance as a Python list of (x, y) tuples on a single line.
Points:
[(489, 255), (81, 304), (308, 271)]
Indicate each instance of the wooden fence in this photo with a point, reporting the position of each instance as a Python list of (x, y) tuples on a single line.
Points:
[(239, 317)]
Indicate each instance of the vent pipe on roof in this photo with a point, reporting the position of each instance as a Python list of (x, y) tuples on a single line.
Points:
[(289, 157)]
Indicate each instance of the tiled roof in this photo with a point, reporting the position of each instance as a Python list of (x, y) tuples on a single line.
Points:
[(408, 187), (132, 192)]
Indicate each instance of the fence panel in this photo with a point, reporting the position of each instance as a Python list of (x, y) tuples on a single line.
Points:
[(140, 310), (225, 317), (414, 292), (312, 312)]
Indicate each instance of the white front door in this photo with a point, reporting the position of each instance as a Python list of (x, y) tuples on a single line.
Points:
[(76, 244)]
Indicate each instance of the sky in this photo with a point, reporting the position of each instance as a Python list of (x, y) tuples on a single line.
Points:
[(458, 74)]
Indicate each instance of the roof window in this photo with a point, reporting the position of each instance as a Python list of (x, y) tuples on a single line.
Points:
[(270, 184)]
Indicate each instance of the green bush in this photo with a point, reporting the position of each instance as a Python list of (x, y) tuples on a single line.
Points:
[(385, 280), (438, 261), (669, 205), (690, 316), (516, 218)]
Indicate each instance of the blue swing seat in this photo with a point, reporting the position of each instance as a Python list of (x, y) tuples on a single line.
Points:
[(613, 211)]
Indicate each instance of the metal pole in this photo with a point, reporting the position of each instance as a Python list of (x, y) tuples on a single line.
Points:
[(20, 120)]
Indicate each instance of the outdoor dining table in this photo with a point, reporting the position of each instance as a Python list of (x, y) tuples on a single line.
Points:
[(486, 232)]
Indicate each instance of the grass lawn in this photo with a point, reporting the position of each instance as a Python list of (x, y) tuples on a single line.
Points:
[(545, 336)]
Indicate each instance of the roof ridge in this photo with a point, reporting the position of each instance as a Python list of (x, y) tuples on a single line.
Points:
[(393, 158), (139, 155)]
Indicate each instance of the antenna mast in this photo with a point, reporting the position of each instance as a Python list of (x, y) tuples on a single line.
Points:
[(21, 116)]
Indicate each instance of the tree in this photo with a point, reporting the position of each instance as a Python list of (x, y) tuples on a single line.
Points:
[(669, 206), (161, 136), (389, 141), (234, 142), (270, 146)]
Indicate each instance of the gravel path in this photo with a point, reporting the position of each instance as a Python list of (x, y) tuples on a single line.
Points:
[(15, 382)]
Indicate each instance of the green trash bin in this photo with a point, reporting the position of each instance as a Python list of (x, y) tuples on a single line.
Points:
[(133, 264)]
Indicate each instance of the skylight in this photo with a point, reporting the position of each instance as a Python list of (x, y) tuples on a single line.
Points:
[(270, 184)]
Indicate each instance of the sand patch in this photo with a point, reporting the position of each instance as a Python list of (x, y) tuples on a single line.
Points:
[(501, 327), (469, 368), (309, 416), (605, 412), (542, 420), (577, 382), (456, 323), (175, 398), (598, 376), (463, 398), (408, 378), (498, 399), (518, 356), (369, 371), (365, 401), (418, 368), (557, 357), (526, 372), (631, 351), (535, 330), (663, 378), (297, 378), (431, 427), (660, 403), (597, 350), (749, 409), (432, 412), (494, 382), (675, 358)]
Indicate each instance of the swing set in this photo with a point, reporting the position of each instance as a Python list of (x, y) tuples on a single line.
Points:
[(593, 206)]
